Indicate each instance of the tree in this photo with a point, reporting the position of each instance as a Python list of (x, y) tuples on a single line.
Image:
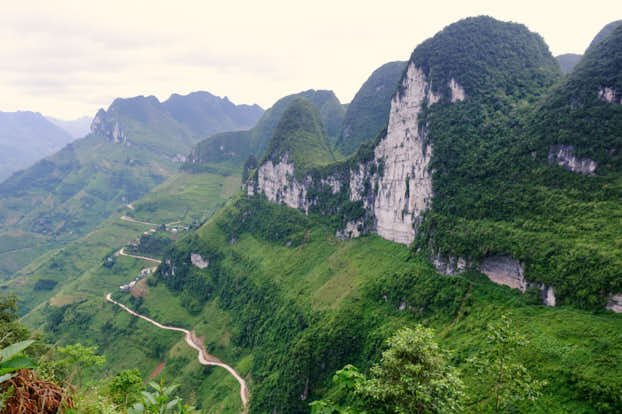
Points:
[(413, 377), (161, 401), (125, 387), (506, 381)]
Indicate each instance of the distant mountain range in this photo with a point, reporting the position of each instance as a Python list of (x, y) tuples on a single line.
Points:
[(26, 137)]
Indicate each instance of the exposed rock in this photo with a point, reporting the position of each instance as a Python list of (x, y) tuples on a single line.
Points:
[(564, 156), (615, 303), (395, 186), (608, 95), (449, 266), (548, 296), (457, 91), (198, 260), (108, 127), (405, 185), (504, 270), (278, 184), (353, 229)]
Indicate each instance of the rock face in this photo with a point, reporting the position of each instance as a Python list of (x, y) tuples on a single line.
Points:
[(449, 266), (615, 303), (198, 261), (564, 156), (548, 297), (106, 126), (608, 95), (394, 186), (405, 185), (278, 184), (457, 92), (505, 270)]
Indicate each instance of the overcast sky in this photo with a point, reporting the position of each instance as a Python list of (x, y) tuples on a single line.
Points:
[(69, 58)]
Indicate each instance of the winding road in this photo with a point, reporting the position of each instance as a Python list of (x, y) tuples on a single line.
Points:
[(189, 336), (196, 344)]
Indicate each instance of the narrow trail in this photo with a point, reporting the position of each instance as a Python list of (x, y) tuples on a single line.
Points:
[(149, 259), (131, 220), (193, 342)]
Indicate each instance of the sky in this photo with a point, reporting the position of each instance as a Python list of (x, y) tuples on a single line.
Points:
[(69, 58)]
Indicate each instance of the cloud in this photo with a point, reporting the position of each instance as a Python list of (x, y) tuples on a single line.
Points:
[(68, 58)]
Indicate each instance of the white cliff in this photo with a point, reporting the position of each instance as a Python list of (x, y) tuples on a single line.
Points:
[(404, 184), (504, 270), (608, 95), (278, 184), (197, 260), (615, 303), (457, 91), (564, 156)]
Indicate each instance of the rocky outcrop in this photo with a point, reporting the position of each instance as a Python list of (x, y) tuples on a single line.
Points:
[(504, 270), (449, 266), (404, 187), (279, 184), (108, 127), (457, 92), (608, 95), (564, 156), (394, 186), (198, 261), (548, 296), (615, 303)]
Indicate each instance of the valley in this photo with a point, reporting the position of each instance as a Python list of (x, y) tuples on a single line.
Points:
[(471, 194)]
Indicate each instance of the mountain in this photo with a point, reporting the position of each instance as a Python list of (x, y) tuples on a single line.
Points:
[(477, 212), (604, 33), (368, 112), (299, 137), (568, 61), (206, 114), (235, 147), (77, 128), (133, 146), (26, 137)]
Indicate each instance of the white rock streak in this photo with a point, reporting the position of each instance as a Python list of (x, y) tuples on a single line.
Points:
[(405, 185)]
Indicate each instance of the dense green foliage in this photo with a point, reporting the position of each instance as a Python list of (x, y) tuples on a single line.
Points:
[(300, 135), (604, 33), (234, 148), (305, 305), (368, 112), (495, 192)]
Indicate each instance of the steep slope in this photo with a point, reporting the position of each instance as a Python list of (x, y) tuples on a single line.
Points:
[(134, 145), (233, 148), (205, 114), (77, 128), (26, 137), (568, 61), (468, 167), (582, 119), (604, 32), (299, 136), (368, 112)]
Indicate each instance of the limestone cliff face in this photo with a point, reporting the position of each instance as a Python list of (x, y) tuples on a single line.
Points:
[(564, 156), (394, 186), (106, 126), (405, 183)]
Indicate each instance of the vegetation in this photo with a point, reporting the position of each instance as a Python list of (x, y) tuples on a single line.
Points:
[(300, 135), (368, 113), (232, 149)]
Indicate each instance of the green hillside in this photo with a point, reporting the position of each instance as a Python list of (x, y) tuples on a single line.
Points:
[(525, 164), (134, 146), (568, 61), (300, 135), (233, 148)]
